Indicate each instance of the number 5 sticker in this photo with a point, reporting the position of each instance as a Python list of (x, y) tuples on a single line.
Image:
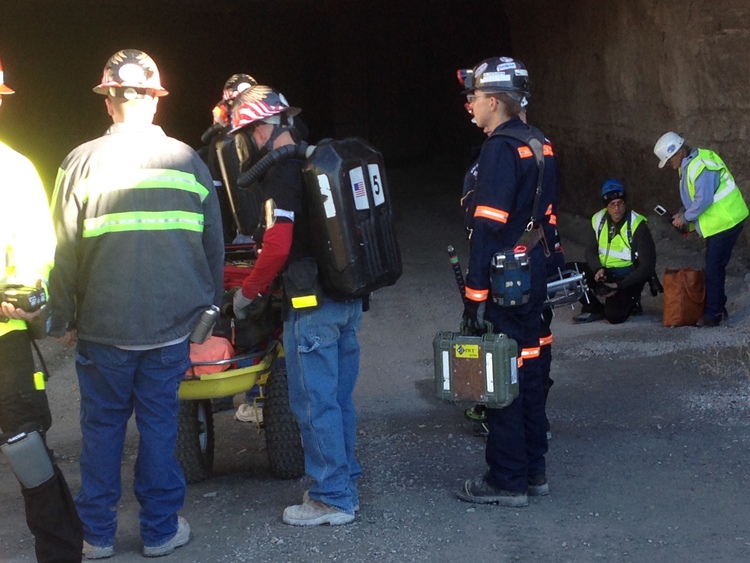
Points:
[(377, 184)]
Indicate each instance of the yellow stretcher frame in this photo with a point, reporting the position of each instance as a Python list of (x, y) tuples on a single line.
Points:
[(230, 382)]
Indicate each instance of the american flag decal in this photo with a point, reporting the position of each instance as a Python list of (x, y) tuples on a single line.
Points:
[(359, 189)]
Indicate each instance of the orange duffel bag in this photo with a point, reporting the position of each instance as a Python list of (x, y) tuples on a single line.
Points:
[(684, 296), (214, 349)]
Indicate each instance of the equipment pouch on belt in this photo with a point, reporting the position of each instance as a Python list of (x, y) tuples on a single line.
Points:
[(302, 286), (28, 458), (510, 277)]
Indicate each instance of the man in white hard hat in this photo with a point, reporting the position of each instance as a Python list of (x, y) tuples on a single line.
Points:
[(140, 257), (713, 206)]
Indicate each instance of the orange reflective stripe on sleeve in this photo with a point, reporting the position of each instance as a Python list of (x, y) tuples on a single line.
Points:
[(519, 362), (549, 210), (491, 213), (530, 352), (545, 340), (553, 219), (477, 294), (525, 152)]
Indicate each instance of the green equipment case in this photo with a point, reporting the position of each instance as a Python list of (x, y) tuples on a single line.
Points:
[(477, 369)]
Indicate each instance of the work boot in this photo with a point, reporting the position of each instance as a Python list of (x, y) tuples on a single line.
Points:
[(315, 513), (538, 486), (587, 318), (478, 490)]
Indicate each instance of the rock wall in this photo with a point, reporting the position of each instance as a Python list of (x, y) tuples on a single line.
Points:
[(609, 78)]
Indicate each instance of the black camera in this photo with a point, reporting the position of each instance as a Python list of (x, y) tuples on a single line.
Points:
[(23, 297)]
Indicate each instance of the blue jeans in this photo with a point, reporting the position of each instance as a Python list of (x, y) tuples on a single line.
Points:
[(718, 252), (322, 360), (114, 383)]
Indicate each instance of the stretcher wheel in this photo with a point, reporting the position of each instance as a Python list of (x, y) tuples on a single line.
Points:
[(283, 441), (195, 439)]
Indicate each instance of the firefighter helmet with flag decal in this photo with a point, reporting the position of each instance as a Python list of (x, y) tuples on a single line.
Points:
[(260, 103)]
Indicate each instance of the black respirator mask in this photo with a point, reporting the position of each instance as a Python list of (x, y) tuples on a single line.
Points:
[(248, 150)]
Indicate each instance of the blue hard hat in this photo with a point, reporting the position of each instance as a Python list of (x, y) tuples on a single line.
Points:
[(612, 189)]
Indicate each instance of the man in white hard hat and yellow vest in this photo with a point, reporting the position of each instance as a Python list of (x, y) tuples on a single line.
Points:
[(713, 206)]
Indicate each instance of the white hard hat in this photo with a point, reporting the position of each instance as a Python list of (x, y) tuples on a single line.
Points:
[(668, 144)]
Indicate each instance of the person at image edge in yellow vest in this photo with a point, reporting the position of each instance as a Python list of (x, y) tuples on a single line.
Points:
[(620, 259), (27, 243), (713, 206), (140, 258)]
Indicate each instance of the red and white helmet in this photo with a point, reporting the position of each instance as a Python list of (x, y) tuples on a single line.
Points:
[(260, 103), (3, 88), (130, 73)]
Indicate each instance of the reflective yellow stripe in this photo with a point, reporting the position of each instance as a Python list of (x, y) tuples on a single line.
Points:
[(621, 254), (304, 301), (491, 213), (39, 381), (144, 179), (142, 221)]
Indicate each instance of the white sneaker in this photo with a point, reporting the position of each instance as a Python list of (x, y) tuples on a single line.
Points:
[(95, 552), (178, 540), (248, 413), (314, 513)]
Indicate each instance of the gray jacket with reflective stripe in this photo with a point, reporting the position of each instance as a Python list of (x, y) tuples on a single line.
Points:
[(139, 239)]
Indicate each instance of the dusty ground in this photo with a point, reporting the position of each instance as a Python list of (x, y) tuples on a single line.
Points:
[(648, 460)]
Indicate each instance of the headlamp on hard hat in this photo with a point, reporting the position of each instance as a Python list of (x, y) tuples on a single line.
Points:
[(612, 189), (496, 75), (466, 78)]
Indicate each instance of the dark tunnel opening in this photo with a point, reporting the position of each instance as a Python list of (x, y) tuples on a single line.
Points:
[(382, 71)]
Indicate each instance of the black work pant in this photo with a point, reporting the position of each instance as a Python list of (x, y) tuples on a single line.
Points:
[(50, 512), (517, 439), (617, 308)]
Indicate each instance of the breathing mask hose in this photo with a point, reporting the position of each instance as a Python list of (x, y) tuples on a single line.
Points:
[(210, 132), (259, 169)]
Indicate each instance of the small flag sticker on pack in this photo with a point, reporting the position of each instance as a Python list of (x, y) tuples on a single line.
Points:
[(357, 178)]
